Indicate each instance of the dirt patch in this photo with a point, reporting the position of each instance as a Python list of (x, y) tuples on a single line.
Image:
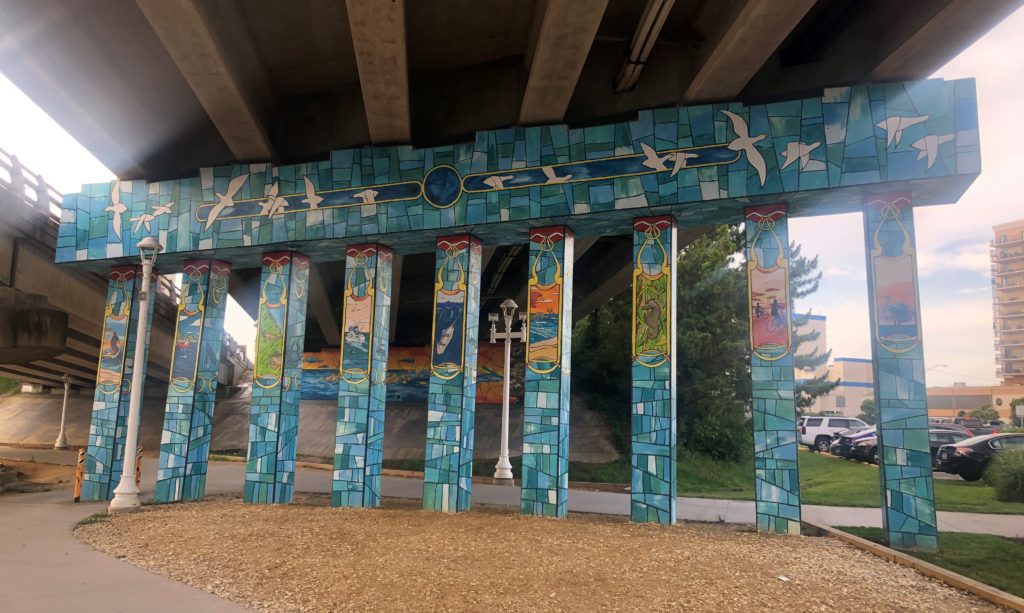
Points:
[(310, 557), (19, 477)]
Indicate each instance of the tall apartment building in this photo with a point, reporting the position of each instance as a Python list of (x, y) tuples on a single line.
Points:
[(1007, 251)]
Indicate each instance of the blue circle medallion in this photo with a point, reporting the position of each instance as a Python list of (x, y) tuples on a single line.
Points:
[(442, 186)]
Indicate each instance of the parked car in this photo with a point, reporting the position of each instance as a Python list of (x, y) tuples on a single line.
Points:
[(843, 442), (970, 457), (816, 432), (974, 425), (866, 449)]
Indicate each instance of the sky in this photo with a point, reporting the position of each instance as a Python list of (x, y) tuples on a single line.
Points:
[(952, 241)]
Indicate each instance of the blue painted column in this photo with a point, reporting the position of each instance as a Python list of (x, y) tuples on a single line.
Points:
[(277, 372), (654, 370), (359, 436), (776, 475), (898, 361), (192, 391), (545, 479), (451, 397), (108, 428)]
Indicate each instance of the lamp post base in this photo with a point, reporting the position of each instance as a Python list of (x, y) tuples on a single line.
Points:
[(503, 470), (124, 502), (61, 444)]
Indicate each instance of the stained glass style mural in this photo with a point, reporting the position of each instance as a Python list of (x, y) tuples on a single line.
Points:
[(277, 378), (904, 459), (653, 497), (362, 377), (545, 478), (776, 475), (192, 391), (451, 405), (108, 427), (701, 163)]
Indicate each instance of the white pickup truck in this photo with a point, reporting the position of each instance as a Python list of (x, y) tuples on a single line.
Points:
[(816, 432)]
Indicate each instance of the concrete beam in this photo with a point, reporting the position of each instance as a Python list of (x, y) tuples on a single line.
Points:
[(953, 29), (212, 47), (378, 37), (320, 308), (738, 45), (557, 53)]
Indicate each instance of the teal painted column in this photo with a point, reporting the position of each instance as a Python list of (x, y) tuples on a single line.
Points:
[(451, 397), (653, 496), (545, 479), (277, 372), (898, 361), (362, 385), (192, 391), (776, 474), (108, 428)]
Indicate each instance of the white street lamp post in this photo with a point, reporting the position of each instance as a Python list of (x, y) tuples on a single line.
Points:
[(503, 469), (62, 441), (126, 496)]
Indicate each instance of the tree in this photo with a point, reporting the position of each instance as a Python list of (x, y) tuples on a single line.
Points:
[(804, 279), (868, 412), (984, 413)]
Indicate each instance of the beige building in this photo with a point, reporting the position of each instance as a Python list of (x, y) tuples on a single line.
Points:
[(1007, 252), (949, 401)]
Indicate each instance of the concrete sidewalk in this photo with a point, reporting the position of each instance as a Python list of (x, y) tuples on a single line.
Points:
[(228, 478)]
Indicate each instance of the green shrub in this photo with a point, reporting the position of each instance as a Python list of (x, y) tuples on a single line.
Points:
[(1006, 475)]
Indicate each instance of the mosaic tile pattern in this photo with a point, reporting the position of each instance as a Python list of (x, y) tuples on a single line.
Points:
[(904, 457), (545, 479), (653, 497), (451, 404), (362, 383), (703, 164), (277, 376), (192, 391), (776, 475), (108, 428)]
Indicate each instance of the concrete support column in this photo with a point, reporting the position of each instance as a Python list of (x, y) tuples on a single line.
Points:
[(776, 478), (192, 391), (359, 436), (545, 479), (654, 370), (898, 361), (451, 404), (105, 454), (277, 372)]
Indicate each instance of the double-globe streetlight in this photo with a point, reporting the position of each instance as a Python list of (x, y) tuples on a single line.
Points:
[(126, 496), (62, 440), (503, 469)]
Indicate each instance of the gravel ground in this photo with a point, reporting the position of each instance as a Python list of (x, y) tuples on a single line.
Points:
[(309, 557)]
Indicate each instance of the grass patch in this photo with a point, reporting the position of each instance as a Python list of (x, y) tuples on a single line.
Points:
[(95, 518), (992, 560)]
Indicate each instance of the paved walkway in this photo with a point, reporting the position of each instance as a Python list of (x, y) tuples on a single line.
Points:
[(45, 568)]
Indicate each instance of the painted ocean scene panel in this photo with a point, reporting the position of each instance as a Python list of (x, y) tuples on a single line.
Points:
[(448, 328), (356, 336)]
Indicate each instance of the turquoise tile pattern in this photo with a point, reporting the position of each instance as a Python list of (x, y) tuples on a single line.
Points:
[(545, 478), (192, 391), (451, 396), (362, 384), (776, 474), (898, 360), (653, 457), (704, 164), (108, 426), (277, 376)]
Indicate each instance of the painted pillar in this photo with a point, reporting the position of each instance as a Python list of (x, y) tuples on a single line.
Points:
[(451, 397), (654, 370), (192, 391), (898, 362), (105, 454), (274, 417), (359, 435), (545, 479), (776, 478)]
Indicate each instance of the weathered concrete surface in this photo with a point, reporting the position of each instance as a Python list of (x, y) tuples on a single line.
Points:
[(30, 329), (34, 420)]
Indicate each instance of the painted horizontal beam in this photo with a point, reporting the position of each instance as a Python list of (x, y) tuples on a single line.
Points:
[(703, 164)]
